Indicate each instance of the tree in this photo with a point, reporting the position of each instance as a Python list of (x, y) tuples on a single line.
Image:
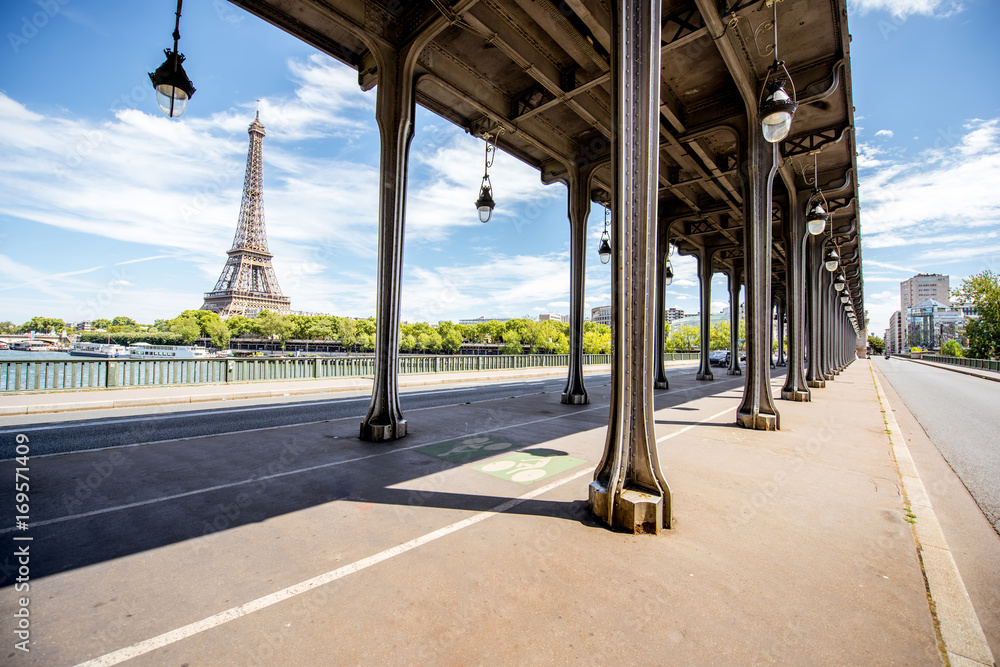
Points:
[(952, 348), (6, 327), (101, 323), (187, 328), (238, 325), (273, 325), (983, 330), (219, 333), (876, 344), (126, 323), (40, 324)]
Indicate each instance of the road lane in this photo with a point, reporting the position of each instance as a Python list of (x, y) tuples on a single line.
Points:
[(961, 416)]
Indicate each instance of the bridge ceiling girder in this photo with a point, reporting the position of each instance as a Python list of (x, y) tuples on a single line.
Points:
[(540, 68)]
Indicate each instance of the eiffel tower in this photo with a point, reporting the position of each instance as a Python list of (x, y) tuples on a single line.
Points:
[(248, 284)]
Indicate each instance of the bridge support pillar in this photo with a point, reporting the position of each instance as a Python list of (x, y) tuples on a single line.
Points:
[(705, 318), (781, 333), (394, 110), (796, 388), (579, 179), (629, 492), (734, 320), (662, 253), (814, 373), (757, 409)]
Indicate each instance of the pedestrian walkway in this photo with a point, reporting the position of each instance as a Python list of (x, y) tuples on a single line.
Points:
[(470, 542)]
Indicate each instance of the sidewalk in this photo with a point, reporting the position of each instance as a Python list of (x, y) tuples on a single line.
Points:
[(97, 399), (470, 542)]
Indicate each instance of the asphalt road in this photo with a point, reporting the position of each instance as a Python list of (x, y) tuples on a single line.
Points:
[(58, 433), (961, 415)]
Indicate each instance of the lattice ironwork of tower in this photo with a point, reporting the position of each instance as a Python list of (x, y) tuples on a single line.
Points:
[(248, 284)]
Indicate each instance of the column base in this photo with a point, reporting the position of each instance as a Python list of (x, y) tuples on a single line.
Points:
[(705, 376), (634, 511), (758, 421), (383, 432), (661, 384), (734, 371), (828, 376), (782, 364), (796, 395), (817, 384), (575, 399)]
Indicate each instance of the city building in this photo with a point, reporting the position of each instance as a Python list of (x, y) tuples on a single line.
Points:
[(601, 315), (930, 323), (895, 335), (553, 316), (674, 314), (924, 286)]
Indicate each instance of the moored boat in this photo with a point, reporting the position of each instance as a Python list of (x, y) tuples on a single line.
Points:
[(103, 350), (166, 352)]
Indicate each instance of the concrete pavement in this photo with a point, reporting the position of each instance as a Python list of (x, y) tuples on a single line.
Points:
[(469, 542)]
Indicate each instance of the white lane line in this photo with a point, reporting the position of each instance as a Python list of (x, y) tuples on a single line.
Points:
[(285, 473), (143, 647)]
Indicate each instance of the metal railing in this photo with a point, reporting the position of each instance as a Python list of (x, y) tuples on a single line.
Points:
[(985, 364), (41, 375)]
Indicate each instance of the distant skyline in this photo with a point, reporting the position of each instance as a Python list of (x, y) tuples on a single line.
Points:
[(110, 208)]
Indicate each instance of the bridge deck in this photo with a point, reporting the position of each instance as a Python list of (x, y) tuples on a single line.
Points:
[(788, 546)]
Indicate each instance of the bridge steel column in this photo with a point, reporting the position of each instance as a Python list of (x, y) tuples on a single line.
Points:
[(662, 253), (705, 317), (579, 180), (795, 388), (757, 409), (394, 111), (814, 252), (629, 491), (734, 319), (781, 332), (826, 308)]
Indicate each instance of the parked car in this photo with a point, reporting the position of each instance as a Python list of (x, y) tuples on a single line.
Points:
[(718, 358)]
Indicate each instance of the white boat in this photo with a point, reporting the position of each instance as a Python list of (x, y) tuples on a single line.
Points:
[(30, 346), (103, 350), (166, 352)]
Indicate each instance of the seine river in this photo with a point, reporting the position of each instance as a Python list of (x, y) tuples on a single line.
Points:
[(14, 355)]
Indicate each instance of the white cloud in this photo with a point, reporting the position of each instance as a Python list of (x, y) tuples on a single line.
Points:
[(884, 133), (902, 9)]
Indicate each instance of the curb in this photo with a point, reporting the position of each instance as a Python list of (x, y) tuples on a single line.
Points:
[(955, 369), (960, 636)]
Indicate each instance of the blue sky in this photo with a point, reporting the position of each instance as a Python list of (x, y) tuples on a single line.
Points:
[(109, 208)]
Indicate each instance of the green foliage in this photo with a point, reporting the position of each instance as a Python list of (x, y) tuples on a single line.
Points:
[(876, 344), (7, 327), (952, 348), (186, 328), (272, 325), (42, 325), (684, 339), (101, 323), (131, 337), (983, 331), (916, 349), (126, 323)]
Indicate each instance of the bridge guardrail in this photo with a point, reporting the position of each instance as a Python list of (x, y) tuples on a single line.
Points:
[(41, 375), (985, 364)]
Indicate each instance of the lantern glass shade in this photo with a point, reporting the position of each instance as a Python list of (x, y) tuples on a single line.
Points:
[(816, 219), (485, 203), (831, 260), (172, 85), (668, 274), (776, 115), (605, 249), (838, 283), (844, 298)]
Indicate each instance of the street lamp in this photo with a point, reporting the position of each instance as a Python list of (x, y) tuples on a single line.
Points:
[(604, 250), (831, 260), (817, 215), (776, 110), (668, 273), (170, 81), (839, 283), (485, 203)]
